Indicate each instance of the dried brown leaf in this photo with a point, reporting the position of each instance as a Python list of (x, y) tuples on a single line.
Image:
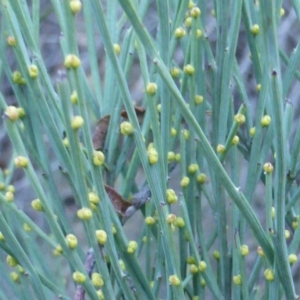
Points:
[(100, 132), (140, 112)]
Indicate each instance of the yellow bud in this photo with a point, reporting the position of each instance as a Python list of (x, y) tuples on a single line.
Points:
[(2, 186), (198, 99), (65, 142), (191, 4), (77, 122), (100, 295), (171, 218), (12, 113), (79, 277), (93, 198), (216, 255), (265, 121), (268, 168), (27, 227), (58, 250), (2, 238), (174, 280), (126, 128), (149, 220), (113, 229), (11, 41), (97, 280), (194, 269), (221, 149), (258, 87), (17, 78), (269, 274), (189, 69), (179, 222), (33, 71), (72, 241), (158, 107), (185, 181), (173, 132), (193, 168), (255, 29), (287, 234), (11, 188), (144, 239), (240, 118), (171, 156), (117, 49), (14, 276), (171, 196), (202, 266), (199, 33), (101, 236), (188, 22), (132, 246), (202, 282), (175, 72), (122, 265), (177, 157), (75, 6), (282, 12), (235, 140), (84, 213), (201, 178), (244, 250), (252, 131), (151, 88), (11, 261), (72, 61), (152, 156), (9, 196), (190, 260), (37, 205), (179, 32), (98, 158), (195, 12), (21, 161), (74, 97), (237, 280), (293, 259), (260, 251)]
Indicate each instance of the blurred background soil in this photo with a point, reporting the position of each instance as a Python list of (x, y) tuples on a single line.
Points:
[(50, 45)]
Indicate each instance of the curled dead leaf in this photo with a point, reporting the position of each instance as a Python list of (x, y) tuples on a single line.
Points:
[(140, 112), (100, 132)]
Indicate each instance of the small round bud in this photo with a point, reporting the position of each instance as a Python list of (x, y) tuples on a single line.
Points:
[(190, 260), (255, 29), (258, 87), (17, 78), (84, 213), (171, 218), (151, 88), (100, 294), (240, 118), (9, 196), (37, 205), (269, 274), (58, 250), (237, 280), (189, 69), (98, 158), (174, 280), (293, 258), (193, 168), (177, 157), (132, 246), (173, 132), (93, 198), (14, 276), (117, 49), (268, 168), (265, 121), (27, 227), (185, 181), (72, 61), (65, 142), (171, 196), (194, 269), (202, 266), (171, 156), (191, 4), (201, 178), (282, 12), (33, 71), (260, 251), (202, 282), (235, 140), (11, 188), (149, 220), (122, 265), (152, 156), (101, 236), (72, 241), (2, 186), (188, 22), (252, 131), (126, 128), (21, 162), (195, 12), (77, 122), (79, 277), (74, 97), (75, 6), (11, 41), (221, 149), (217, 255), (12, 113), (158, 107), (175, 72), (244, 250), (198, 99), (97, 280), (2, 238), (186, 134), (199, 33), (287, 234), (179, 222), (11, 261), (179, 33), (295, 224)]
